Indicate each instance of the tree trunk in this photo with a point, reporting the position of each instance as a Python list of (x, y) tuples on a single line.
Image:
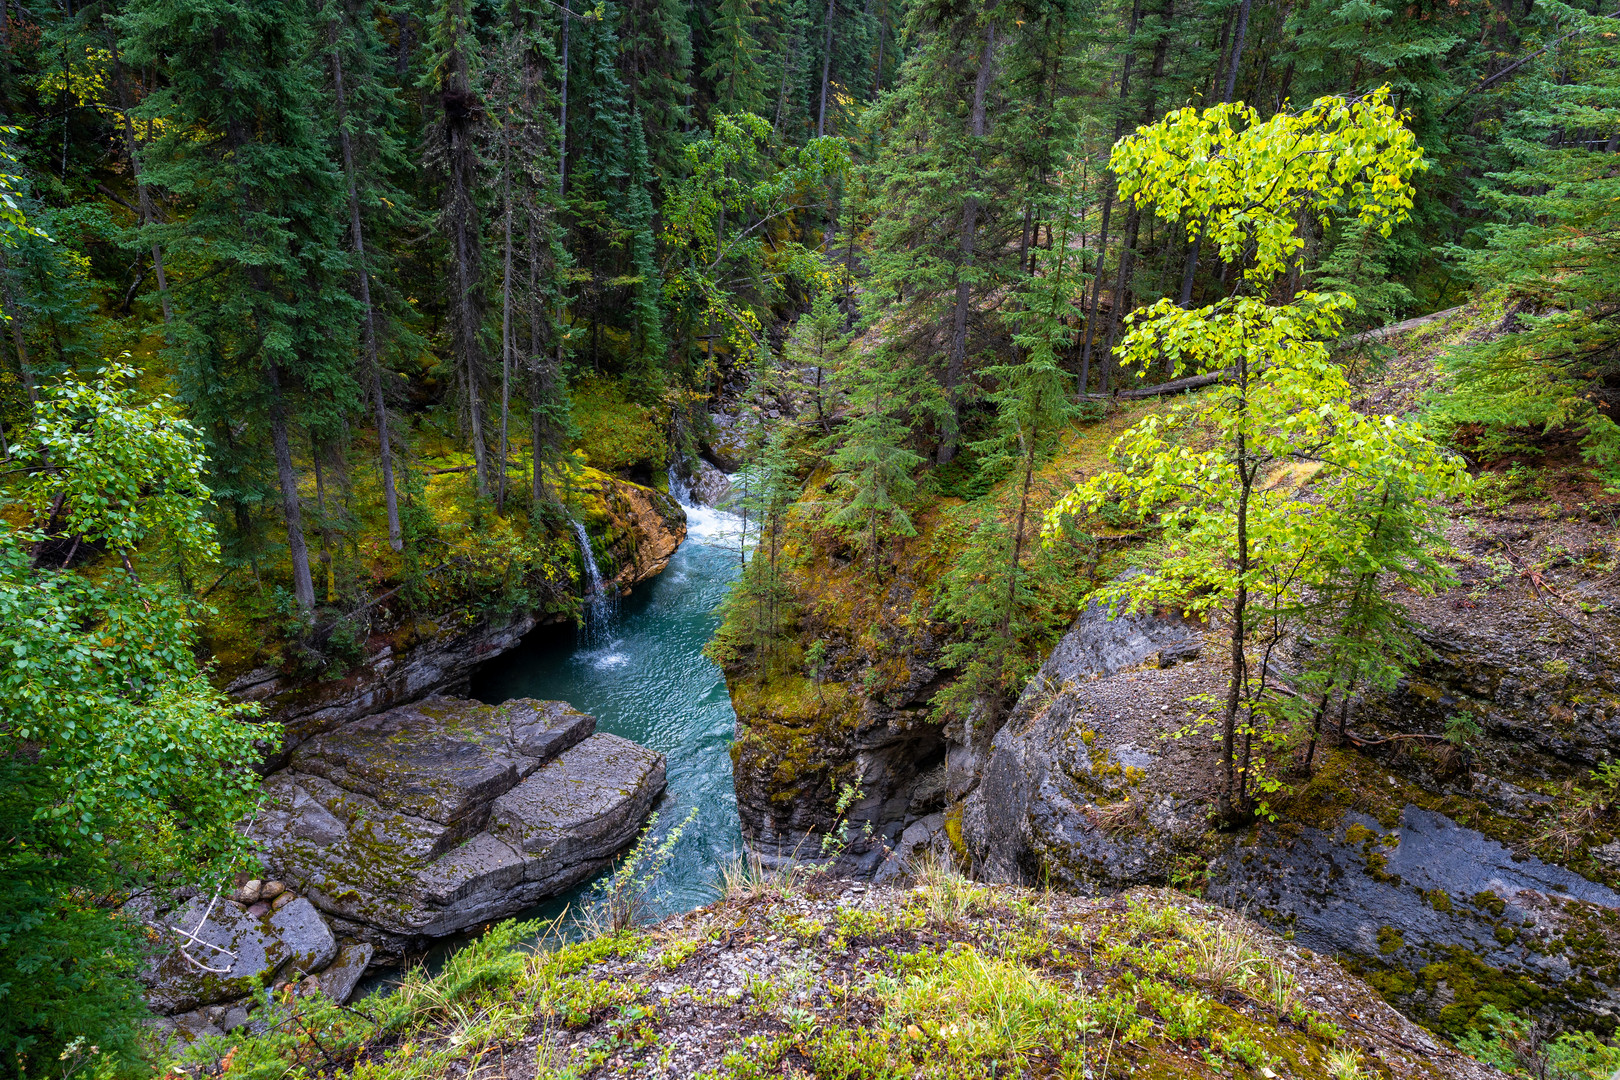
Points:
[(322, 522), (956, 358), (368, 318), (1108, 199), (506, 307), (1226, 97), (1225, 807), (24, 369), (826, 69), (303, 584), (143, 198), (1133, 220), (562, 109), (1237, 51), (882, 29), (459, 106)]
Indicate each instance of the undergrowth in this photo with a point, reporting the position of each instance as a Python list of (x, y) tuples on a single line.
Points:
[(951, 980)]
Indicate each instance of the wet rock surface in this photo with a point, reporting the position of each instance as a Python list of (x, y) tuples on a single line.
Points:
[(1431, 901), (710, 486), (635, 529), (429, 819)]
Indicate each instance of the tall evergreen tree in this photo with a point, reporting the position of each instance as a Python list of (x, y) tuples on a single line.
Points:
[(265, 328), (736, 68), (454, 149)]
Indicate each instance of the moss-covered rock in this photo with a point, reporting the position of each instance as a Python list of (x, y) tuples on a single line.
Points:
[(429, 819), (1104, 778)]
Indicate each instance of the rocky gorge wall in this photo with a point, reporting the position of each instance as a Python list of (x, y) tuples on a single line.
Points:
[(634, 531), (1450, 876)]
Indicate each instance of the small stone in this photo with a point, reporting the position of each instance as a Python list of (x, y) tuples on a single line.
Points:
[(250, 891), (282, 901), (271, 889), (234, 1018), (258, 910)]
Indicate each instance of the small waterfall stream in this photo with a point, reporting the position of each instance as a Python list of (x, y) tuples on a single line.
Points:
[(596, 617), (680, 487)]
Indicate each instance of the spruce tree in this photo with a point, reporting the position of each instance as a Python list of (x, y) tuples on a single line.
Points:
[(1555, 251), (872, 463), (454, 150), (736, 70), (266, 330)]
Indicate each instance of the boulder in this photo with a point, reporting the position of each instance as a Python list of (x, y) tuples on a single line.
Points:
[(343, 974), (1069, 743), (219, 953), (1100, 781), (710, 486), (432, 818), (727, 443)]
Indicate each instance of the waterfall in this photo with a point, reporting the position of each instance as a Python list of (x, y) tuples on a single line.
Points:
[(597, 614), (680, 487)]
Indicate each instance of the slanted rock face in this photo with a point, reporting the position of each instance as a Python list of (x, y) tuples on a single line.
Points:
[(1431, 909), (1073, 740), (1087, 787), (432, 818)]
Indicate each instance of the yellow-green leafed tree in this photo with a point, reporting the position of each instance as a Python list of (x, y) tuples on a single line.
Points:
[(1245, 541)]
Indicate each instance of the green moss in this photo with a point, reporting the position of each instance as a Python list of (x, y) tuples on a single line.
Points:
[(1390, 940), (616, 433), (953, 831)]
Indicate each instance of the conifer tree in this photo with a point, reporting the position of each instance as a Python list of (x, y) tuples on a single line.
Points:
[(1556, 253), (657, 68), (939, 241), (455, 150), (872, 464), (266, 331), (817, 343), (989, 594), (365, 120), (736, 69)]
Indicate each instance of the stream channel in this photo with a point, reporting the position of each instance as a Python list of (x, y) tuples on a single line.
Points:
[(640, 670)]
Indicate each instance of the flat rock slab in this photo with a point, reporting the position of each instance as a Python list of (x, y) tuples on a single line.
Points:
[(433, 818), (231, 954)]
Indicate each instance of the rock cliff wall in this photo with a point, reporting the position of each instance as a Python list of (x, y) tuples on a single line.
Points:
[(1451, 879)]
